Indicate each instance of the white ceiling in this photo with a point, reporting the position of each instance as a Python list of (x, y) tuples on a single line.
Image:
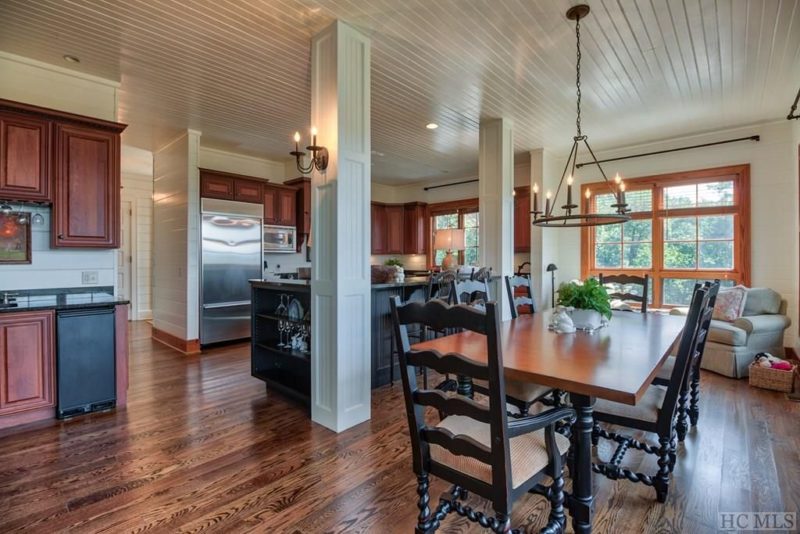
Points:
[(238, 70)]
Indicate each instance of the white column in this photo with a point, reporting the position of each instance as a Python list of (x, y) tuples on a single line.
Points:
[(496, 203), (544, 242), (340, 286)]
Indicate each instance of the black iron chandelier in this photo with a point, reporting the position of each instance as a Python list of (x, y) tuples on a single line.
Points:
[(569, 219), (319, 154)]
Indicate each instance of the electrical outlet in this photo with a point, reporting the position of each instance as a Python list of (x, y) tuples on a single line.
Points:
[(89, 277)]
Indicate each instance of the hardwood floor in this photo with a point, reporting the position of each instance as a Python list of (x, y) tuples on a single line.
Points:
[(201, 447)]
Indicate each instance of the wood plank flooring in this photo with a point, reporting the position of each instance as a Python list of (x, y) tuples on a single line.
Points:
[(203, 448)]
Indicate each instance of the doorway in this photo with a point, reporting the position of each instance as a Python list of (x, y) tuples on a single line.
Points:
[(125, 282)]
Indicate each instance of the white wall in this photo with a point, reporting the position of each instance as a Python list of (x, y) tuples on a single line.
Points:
[(774, 193), (220, 160), (49, 86), (176, 242), (137, 188)]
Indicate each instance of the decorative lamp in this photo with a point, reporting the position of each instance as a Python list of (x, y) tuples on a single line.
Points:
[(449, 239)]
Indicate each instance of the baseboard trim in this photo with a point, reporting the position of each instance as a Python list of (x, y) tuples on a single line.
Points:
[(186, 346)]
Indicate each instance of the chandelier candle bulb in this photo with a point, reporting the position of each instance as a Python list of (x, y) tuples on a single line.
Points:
[(535, 197), (588, 194), (547, 204), (617, 179), (570, 181), (622, 193)]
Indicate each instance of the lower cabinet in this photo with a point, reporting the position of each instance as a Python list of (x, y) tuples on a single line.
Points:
[(27, 382)]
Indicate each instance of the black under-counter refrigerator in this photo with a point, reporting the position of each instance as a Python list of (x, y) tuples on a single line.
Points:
[(86, 374)]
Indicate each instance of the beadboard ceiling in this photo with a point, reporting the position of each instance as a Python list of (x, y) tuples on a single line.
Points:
[(238, 70)]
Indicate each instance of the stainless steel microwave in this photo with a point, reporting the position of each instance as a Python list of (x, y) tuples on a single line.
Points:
[(279, 239)]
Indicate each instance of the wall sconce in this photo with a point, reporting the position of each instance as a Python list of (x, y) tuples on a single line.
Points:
[(319, 154)]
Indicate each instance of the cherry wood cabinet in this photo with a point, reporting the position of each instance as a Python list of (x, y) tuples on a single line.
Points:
[(415, 233), (279, 205), (86, 207), (229, 186), (378, 227), (303, 207), (25, 158), (247, 191), (26, 365), (394, 228), (522, 220), (213, 185), (287, 201)]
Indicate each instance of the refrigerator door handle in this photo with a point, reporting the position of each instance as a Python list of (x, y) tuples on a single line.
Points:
[(226, 304)]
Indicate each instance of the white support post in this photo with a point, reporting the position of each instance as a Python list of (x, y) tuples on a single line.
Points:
[(340, 286), (496, 203), (544, 242)]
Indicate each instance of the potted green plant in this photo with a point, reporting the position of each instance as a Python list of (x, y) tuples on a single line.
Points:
[(589, 300)]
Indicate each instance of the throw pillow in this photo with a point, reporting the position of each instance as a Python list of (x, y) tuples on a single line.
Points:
[(730, 303)]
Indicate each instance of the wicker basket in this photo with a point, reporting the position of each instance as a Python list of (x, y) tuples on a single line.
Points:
[(768, 378)]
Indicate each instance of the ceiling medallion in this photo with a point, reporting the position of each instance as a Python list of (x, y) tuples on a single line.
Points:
[(568, 219)]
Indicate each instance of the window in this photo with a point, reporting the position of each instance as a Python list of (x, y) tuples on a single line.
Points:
[(458, 214), (684, 228)]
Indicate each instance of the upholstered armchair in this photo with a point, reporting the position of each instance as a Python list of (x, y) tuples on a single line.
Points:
[(732, 345)]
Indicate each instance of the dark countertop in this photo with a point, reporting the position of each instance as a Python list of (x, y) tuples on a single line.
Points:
[(410, 281), (60, 299)]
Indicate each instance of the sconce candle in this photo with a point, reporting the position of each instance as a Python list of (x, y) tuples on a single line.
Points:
[(535, 197), (547, 203)]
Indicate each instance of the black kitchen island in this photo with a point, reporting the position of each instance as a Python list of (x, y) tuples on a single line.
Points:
[(275, 324)]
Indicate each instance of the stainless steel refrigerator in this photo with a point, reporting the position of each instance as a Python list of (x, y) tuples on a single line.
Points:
[(230, 256)]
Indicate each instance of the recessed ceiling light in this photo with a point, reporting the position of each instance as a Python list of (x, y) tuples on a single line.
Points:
[(71, 59), (431, 126)]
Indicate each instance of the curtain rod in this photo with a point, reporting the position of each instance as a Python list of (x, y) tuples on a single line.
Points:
[(751, 138), (448, 185)]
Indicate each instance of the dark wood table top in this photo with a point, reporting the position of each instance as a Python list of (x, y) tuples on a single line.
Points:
[(617, 362)]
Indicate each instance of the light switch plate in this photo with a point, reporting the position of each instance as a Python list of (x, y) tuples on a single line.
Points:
[(89, 277)]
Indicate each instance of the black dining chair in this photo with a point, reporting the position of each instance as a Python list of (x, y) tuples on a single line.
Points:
[(521, 395), (656, 411), (474, 446), (693, 393), (520, 296), (622, 288)]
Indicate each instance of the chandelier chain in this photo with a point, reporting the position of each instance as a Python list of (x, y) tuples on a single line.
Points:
[(578, 73)]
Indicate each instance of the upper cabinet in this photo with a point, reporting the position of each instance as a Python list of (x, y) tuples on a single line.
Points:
[(399, 228), (279, 205), (68, 160), (87, 188), (522, 220), (378, 227), (24, 158), (303, 207), (394, 229), (229, 186), (415, 221)]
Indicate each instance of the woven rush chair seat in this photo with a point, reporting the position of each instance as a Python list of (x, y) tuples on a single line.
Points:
[(528, 452)]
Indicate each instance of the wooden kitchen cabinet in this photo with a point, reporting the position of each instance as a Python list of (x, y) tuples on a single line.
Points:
[(378, 227), (247, 191), (302, 208), (394, 229), (279, 205), (287, 202), (522, 220), (27, 385), (86, 207), (415, 232), (25, 158), (213, 185)]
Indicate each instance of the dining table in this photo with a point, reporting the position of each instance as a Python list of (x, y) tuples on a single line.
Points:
[(616, 362)]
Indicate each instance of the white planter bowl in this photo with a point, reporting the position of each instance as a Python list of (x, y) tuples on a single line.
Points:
[(587, 319)]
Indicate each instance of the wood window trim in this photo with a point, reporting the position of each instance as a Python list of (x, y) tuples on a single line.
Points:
[(739, 174), (461, 207)]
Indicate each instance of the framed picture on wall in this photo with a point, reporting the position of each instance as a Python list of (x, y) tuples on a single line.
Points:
[(15, 238)]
